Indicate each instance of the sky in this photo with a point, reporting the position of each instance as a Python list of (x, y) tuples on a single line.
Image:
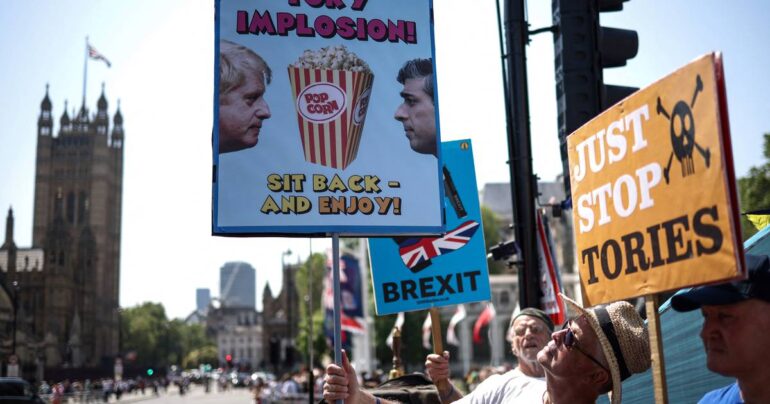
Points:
[(162, 55)]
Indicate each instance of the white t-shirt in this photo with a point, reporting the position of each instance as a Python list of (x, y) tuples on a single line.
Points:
[(513, 386)]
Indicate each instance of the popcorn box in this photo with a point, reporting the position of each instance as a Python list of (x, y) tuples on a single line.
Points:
[(331, 109)]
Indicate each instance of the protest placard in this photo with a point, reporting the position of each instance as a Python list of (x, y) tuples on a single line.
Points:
[(653, 189), (416, 273), (313, 133)]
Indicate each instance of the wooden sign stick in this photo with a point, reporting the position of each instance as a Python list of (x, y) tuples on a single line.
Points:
[(438, 344), (656, 349)]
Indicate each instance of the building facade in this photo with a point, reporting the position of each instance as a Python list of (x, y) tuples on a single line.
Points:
[(238, 332), (497, 197), (280, 323), (238, 285), (70, 300)]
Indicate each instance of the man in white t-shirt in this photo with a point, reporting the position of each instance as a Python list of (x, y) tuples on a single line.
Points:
[(529, 331)]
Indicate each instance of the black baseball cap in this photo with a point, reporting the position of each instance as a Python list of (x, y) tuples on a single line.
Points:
[(757, 286)]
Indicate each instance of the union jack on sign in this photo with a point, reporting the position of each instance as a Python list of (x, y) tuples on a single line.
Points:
[(417, 252)]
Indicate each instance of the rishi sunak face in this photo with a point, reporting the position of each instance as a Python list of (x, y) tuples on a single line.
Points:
[(418, 115)]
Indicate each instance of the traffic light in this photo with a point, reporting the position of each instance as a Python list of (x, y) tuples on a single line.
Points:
[(229, 360), (150, 372), (582, 48)]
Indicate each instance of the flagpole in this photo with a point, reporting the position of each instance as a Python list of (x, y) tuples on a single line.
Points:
[(85, 72)]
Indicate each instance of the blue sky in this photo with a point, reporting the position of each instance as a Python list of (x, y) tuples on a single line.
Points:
[(162, 70)]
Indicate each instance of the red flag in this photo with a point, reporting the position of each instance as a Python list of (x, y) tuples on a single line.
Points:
[(352, 324), (549, 284), (484, 318)]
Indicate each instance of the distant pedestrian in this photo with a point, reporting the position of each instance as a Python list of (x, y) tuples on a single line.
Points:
[(106, 390), (58, 393)]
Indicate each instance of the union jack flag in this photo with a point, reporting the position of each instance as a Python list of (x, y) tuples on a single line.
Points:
[(94, 54), (417, 252)]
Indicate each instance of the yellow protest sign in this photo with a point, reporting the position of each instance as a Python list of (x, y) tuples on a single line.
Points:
[(653, 189)]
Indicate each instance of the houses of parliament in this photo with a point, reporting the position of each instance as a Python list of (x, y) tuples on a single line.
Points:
[(59, 297)]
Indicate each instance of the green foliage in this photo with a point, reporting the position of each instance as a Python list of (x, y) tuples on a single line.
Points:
[(754, 190), (200, 356), (144, 329), (491, 224), (315, 266), (157, 341)]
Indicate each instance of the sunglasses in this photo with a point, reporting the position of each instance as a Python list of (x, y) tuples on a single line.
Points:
[(571, 341)]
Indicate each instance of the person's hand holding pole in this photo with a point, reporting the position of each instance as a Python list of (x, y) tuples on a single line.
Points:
[(341, 383), (437, 363), (437, 367)]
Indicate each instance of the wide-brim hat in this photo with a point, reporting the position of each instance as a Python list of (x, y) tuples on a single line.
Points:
[(756, 286), (623, 337)]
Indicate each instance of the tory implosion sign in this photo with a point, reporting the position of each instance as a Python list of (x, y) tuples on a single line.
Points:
[(325, 120), (653, 189)]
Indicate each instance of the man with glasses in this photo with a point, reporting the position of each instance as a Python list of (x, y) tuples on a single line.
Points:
[(529, 331), (736, 325), (594, 352)]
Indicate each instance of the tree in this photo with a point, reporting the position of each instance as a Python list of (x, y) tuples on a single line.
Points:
[(200, 356), (159, 342), (491, 223), (754, 190), (144, 331), (314, 267)]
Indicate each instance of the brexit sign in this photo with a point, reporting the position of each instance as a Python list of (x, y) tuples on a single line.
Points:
[(417, 273)]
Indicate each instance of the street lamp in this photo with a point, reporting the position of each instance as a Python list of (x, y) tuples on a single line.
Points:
[(289, 309), (15, 311), (309, 297)]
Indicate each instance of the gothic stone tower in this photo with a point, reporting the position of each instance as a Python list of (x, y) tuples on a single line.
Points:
[(78, 195)]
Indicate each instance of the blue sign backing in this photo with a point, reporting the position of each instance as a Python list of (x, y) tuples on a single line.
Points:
[(412, 273)]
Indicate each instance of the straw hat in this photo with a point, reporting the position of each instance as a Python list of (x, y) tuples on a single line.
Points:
[(623, 337)]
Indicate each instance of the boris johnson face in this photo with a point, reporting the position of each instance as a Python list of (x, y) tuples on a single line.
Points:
[(242, 111)]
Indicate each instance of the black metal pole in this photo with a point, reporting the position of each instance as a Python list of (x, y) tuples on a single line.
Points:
[(308, 299), (523, 182)]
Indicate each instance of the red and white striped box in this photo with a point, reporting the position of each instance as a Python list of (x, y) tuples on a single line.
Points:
[(331, 108)]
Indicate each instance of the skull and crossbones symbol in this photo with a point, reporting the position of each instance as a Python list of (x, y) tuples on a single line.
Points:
[(682, 128)]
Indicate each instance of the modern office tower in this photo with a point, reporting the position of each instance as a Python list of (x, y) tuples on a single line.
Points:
[(202, 299), (237, 285)]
